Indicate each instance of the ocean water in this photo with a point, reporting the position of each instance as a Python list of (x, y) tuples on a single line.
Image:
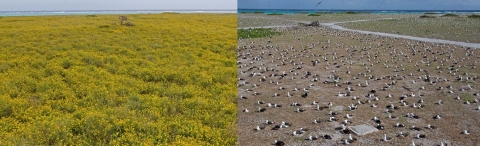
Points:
[(310, 11), (100, 12)]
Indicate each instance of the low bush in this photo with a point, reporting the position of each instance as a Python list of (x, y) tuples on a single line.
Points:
[(474, 16)]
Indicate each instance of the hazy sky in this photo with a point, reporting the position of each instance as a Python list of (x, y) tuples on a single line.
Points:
[(49, 5), (362, 4)]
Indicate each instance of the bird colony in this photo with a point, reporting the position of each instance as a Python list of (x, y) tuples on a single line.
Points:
[(308, 85)]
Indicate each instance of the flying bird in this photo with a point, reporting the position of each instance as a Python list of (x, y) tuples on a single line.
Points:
[(318, 3)]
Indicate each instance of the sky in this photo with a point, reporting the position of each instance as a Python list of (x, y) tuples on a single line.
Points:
[(52, 5), (362, 4)]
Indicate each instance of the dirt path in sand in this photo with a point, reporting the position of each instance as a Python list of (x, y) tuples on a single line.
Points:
[(334, 25)]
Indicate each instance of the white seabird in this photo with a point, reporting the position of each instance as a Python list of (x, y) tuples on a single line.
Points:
[(419, 136), (385, 138), (258, 128)]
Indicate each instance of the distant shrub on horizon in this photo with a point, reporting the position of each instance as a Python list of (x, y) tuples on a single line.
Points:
[(350, 12), (473, 16), (170, 13), (427, 16), (324, 13), (450, 15), (353, 12), (314, 14)]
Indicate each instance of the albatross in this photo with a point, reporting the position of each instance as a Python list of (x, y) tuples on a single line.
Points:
[(278, 143), (258, 128), (385, 138), (312, 138)]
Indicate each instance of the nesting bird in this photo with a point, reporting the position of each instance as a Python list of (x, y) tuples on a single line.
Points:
[(278, 143), (258, 128), (385, 138), (420, 136), (437, 117)]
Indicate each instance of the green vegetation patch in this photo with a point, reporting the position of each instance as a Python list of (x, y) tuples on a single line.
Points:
[(474, 16), (170, 13), (324, 13), (468, 97), (257, 12), (450, 15), (427, 16), (257, 33), (91, 15), (351, 12), (314, 14)]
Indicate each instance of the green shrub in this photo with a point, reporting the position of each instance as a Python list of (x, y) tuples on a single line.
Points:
[(427, 16), (350, 12), (474, 16), (450, 15), (314, 14)]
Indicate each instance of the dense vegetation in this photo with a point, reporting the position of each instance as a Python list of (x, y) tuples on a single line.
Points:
[(87, 80), (256, 33)]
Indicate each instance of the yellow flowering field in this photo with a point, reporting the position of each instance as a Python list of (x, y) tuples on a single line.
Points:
[(87, 80)]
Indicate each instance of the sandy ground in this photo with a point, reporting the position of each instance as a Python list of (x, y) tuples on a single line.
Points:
[(363, 62), (431, 40), (458, 28), (263, 21)]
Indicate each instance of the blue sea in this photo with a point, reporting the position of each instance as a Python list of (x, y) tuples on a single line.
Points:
[(99, 12), (299, 11)]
